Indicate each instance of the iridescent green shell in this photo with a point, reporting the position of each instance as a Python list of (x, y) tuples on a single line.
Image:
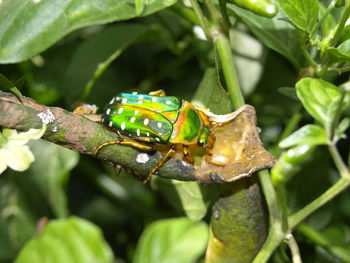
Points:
[(143, 116), (156, 119)]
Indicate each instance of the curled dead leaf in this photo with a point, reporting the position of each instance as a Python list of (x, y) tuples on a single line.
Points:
[(238, 151)]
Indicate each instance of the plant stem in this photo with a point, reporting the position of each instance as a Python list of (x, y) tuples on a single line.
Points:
[(340, 70), (226, 58), (270, 197), (290, 127), (322, 241), (185, 13), (310, 59), (337, 188), (324, 16), (338, 161), (99, 70), (343, 19), (271, 243), (201, 19), (276, 234), (293, 246)]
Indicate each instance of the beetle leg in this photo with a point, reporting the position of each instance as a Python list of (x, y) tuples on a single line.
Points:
[(157, 93), (159, 164), (127, 143), (187, 155)]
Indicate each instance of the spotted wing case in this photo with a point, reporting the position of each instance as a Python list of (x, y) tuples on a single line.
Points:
[(143, 116)]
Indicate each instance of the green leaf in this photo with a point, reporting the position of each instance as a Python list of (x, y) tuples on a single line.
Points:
[(50, 171), (90, 60), (310, 134), (320, 98), (72, 240), (187, 197), (172, 240), (342, 127), (275, 33), (211, 95), (139, 6), (249, 59), (303, 13), (289, 92), (341, 52), (29, 27), (8, 85), (328, 24), (17, 218)]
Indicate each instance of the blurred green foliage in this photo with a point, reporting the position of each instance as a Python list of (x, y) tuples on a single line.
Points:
[(77, 50)]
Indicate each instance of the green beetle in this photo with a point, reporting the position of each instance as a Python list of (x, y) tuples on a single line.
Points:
[(156, 119)]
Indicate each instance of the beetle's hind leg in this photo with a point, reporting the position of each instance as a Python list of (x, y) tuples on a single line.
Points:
[(159, 164), (126, 142)]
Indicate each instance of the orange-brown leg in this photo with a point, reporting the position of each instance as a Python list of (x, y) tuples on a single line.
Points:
[(128, 143), (187, 155), (159, 164)]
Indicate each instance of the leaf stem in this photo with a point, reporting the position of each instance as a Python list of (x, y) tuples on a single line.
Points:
[(226, 58), (338, 161), (99, 70), (322, 241), (324, 16), (270, 197), (340, 70), (341, 24), (310, 59), (337, 188), (290, 127), (201, 19), (293, 246), (185, 13), (272, 241)]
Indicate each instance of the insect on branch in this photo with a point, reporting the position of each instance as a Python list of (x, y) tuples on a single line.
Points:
[(80, 134)]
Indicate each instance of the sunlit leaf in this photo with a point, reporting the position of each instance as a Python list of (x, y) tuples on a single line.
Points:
[(341, 52), (275, 33), (211, 95), (310, 134), (249, 59), (172, 240), (70, 240), (28, 27), (320, 98), (303, 13)]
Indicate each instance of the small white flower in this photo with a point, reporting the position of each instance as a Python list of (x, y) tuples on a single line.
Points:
[(13, 151)]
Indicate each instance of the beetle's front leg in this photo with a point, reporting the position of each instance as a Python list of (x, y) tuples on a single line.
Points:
[(187, 155), (159, 164)]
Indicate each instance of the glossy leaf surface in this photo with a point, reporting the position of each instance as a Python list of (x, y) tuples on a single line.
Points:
[(29, 27), (310, 134), (302, 13), (72, 240), (172, 240)]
